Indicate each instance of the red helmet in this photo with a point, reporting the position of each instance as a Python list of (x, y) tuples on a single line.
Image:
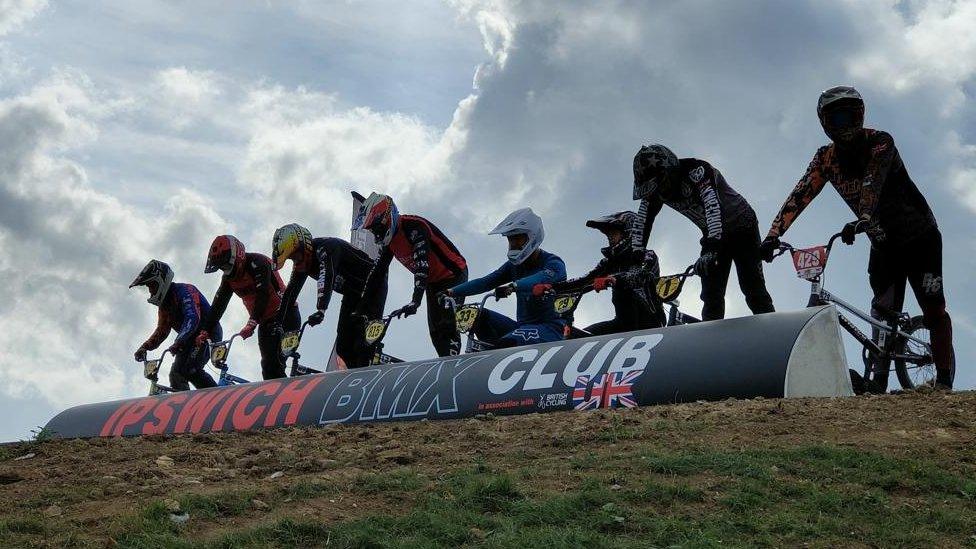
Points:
[(380, 217), (226, 253)]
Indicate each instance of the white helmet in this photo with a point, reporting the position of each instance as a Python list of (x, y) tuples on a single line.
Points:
[(522, 221)]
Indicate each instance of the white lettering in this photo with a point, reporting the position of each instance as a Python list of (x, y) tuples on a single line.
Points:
[(536, 379), (638, 349), (500, 385)]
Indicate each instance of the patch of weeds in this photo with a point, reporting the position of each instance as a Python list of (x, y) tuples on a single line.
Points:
[(486, 492), (667, 494), (394, 482), (308, 490), (231, 503), (617, 430)]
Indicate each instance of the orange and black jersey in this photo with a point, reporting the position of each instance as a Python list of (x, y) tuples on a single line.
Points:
[(336, 266), (873, 181), (424, 250), (703, 196), (257, 284)]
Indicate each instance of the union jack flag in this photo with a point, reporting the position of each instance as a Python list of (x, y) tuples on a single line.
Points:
[(580, 401), (612, 390)]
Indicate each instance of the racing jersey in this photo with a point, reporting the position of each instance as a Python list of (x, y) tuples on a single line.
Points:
[(871, 178), (257, 284), (181, 311), (704, 197), (336, 266), (424, 250), (546, 269), (638, 276)]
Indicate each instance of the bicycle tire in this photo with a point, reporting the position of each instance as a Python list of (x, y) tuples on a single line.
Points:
[(910, 375)]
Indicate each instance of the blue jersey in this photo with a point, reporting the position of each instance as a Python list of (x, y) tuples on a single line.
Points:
[(546, 269), (182, 310)]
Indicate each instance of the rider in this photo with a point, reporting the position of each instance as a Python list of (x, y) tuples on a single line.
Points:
[(865, 168), (252, 277), (525, 273), (423, 249), (181, 306), (731, 231), (335, 265), (632, 276)]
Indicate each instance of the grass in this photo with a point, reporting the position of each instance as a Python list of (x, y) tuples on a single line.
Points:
[(822, 495)]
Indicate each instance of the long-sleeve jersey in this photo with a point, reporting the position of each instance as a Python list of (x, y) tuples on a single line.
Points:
[(336, 266), (424, 250), (704, 197), (871, 178), (630, 274), (546, 269), (181, 311), (257, 284)]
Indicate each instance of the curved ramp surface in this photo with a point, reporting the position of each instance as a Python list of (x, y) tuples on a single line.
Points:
[(774, 355)]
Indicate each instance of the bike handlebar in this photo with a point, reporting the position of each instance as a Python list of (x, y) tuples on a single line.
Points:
[(787, 247)]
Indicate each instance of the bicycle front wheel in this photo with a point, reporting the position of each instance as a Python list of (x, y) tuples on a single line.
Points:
[(918, 368)]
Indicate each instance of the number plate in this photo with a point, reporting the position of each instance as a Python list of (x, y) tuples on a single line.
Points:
[(668, 287), (289, 342), (564, 304), (150, 369), (374, 331), (810, 263), (218, 354), (465, 317)]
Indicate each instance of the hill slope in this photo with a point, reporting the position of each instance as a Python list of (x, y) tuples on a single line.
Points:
[(864, 471)]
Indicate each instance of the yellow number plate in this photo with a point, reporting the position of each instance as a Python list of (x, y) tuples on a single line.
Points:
[(374, 331), (150, 369), (565, 303), (465, 317), (668, 287), (289, 342), (218, 354)]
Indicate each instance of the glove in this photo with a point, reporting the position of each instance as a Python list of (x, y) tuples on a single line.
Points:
[(850, 230), (705, 263), (409, 309), (316, 318), (174, 348), (202, 338), (248, 329), (443, 296), (540, 290), (502, 292), (140, 354), (769, 247), (601, 283)]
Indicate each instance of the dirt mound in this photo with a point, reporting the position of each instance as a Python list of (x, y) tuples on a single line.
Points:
[(873, 470)]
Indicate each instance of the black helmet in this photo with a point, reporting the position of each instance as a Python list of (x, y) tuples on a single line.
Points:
[(621, 221), (841, 111), (651, 166), (158, 272)]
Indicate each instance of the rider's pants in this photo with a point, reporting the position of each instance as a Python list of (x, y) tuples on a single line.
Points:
[(741, 248), (635, 310), (188, 365), (350, 344), (919, 263), (501, 331), (440, 320), (269, 343)]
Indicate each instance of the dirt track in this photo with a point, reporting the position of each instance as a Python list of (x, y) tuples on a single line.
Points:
[(83, 486)]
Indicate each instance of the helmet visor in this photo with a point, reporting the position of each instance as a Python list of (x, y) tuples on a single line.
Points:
[(841, 118)]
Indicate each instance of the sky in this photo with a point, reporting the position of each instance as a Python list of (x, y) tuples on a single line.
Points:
[(136, 130)]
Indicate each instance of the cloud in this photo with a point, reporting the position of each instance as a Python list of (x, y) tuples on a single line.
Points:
[(13, 13)]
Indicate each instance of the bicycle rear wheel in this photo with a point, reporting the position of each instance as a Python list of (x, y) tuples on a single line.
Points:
[(912, 374)]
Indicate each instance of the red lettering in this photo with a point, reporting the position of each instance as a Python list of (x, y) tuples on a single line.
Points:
[(242, 419), (195, 412), (135, 413), (163, 414), (218, 424), (292, 395), (107, 427)]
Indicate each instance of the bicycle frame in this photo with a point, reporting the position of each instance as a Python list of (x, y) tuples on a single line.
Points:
[(289, 349), (880, 348), (150, 371), (218, 359), (668, 289), (374, 333), (465, 322)]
